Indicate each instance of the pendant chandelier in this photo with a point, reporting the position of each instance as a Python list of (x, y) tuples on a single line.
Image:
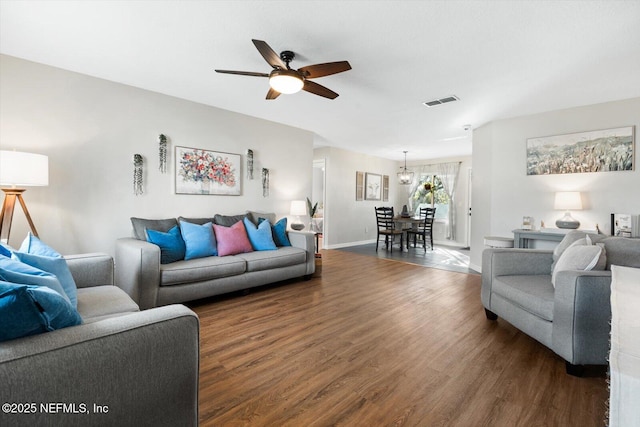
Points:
[(405, 176)]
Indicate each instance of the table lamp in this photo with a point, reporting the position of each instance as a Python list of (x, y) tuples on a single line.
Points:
[(568, 200), (17, 170), (298, 207)]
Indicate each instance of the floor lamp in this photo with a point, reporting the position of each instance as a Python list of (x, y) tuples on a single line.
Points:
[(19, 170)]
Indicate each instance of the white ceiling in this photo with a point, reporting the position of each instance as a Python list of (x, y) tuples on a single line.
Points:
[(501, 58)]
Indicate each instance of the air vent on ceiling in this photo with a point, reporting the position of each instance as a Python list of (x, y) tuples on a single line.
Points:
[(441, 101)]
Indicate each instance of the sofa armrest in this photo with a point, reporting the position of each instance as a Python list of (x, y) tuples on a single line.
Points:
[(93, 269), (305, 240), (138, 270), (141, 367), (582, 316), (512, 262)]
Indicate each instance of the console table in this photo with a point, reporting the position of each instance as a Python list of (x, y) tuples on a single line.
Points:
[(523, 238)]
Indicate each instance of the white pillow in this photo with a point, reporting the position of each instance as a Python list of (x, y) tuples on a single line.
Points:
[(581, 255)]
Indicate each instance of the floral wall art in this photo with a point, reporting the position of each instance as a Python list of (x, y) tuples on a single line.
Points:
[(201, 171)]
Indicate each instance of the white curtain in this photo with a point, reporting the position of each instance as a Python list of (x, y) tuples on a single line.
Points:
[(448, 174)]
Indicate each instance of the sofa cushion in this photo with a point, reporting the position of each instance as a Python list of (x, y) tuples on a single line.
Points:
[(39, 255), (15, 271), (140, 224), (28, 310), (265, 260), (172, 247), (227, 220), (197, 270), (232, 240), (100, 302), (199, 240), (534, 293), (260, 236), (622, 251)]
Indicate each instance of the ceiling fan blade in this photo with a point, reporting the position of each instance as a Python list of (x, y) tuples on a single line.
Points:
[(272, 94), (317, 89), (268, 54), (243, 73), (321, 70)]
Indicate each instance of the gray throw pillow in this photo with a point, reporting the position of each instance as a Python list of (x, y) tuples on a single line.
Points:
[(139, 225), (568, 240), (199, 221), (580, 257), (254, 217), (227, 220)]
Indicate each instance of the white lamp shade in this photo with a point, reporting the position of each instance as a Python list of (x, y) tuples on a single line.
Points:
[(568, 200), (23, 169), (298, 207)]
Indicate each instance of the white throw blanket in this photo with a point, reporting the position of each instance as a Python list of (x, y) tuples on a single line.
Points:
[(624, 358)]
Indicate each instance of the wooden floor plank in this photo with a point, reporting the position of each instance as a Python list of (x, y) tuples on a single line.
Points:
[(380, 343)]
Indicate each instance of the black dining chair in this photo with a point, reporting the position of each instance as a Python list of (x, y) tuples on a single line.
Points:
[(386, 228), (424, 229)]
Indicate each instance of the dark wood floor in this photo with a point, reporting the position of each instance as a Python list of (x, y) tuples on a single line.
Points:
[(374, 342)]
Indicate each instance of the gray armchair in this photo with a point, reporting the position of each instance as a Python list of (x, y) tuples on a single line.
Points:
[(572, 318), (120, 367)]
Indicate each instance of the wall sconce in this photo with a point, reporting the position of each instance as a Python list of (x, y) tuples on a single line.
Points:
[(298, 208), (567, 201), (19, 169)]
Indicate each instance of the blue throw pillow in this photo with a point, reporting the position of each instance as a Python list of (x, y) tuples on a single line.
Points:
[(37, 254), (29, 310), (199, 240), (14, 271), (172, 247), (279, 231), (260, 237), (5, 250)]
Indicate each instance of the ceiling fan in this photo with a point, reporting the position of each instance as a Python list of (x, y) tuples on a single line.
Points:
[(284, 79)]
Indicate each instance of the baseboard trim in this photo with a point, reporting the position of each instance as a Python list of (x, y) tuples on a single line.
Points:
[(475, 267)]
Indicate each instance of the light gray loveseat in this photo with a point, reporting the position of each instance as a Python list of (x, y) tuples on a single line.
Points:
[(151, 284), (572, 318), (140, 368)]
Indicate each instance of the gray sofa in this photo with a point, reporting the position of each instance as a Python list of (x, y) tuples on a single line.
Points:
[(138, 368), (151, 284), (572, 318)]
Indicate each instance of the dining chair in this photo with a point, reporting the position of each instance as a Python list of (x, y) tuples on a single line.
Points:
[(424, 229), (386, 228)]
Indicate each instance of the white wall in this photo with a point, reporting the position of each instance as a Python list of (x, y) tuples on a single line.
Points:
[(347, 221), (503, 193), (90, 129)]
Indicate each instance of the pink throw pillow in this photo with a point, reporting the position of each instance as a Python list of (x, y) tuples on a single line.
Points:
[(232, 240)]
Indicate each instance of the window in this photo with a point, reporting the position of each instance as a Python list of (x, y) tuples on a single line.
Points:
[(430, 194)]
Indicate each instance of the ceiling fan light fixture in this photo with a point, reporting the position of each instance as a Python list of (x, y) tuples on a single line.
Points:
[(286, 81)]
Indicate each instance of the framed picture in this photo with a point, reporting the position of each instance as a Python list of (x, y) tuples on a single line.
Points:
[(373, 186), (359, 185), (201, 171), (594, 151), (622, 225)]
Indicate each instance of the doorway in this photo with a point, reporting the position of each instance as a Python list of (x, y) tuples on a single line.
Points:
[(318, 195)]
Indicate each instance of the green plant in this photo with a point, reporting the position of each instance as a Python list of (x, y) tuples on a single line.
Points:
[(312, 208)]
